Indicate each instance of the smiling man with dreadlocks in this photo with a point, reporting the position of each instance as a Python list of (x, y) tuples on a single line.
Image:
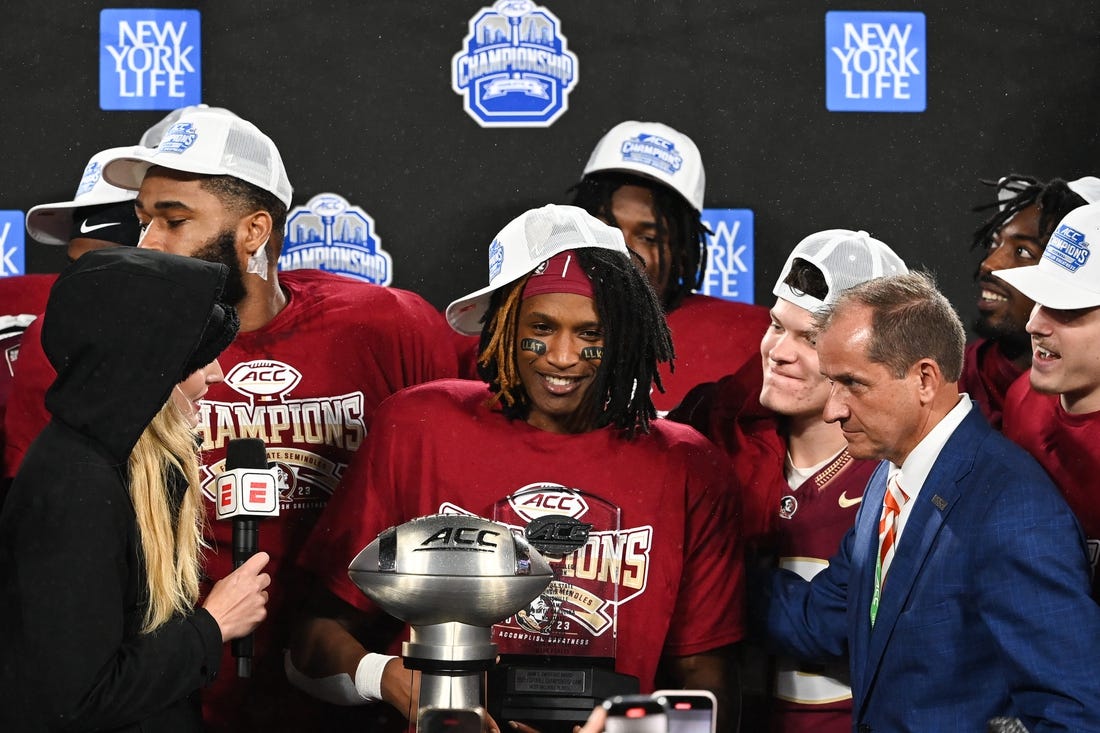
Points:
[(571, 336), (1015, 235), (647, 179)]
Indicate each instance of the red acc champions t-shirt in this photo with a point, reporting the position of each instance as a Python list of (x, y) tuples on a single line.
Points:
[(438, 448)]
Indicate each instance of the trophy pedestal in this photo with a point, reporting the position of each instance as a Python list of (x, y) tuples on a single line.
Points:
[(553, 693)]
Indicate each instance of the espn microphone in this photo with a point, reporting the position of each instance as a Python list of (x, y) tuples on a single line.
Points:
[(246, 493)]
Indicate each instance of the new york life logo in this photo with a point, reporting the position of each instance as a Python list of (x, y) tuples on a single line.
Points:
[(149, 59), (729, 270), (13, 244), (875, 62), (515, 69), (330, 234)]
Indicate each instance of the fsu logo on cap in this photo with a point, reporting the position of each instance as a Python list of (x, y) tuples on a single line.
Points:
[(514, 69)]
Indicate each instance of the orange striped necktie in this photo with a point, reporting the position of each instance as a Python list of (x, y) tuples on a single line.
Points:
[(887, 535)]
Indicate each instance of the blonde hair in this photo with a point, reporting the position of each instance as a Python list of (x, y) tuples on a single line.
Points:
[(171, 550)]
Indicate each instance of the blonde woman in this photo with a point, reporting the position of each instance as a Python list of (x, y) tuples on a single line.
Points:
[(101, 533)]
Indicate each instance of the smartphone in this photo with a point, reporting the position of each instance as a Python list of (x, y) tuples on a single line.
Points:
[(449, 720), (635, 714), (690, 711)]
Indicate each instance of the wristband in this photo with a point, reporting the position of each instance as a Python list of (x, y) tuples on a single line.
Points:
[(368, 675)]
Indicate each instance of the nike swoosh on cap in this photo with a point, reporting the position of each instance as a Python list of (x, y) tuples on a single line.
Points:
[(84, 228), (845, 502)]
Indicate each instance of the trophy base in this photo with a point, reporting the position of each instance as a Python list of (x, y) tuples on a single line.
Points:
[(552, 693)]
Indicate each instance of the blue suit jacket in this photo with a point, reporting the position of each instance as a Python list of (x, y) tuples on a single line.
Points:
[(986, 609)]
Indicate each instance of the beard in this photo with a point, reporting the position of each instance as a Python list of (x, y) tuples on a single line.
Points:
[(1009, 335), (222, 249)]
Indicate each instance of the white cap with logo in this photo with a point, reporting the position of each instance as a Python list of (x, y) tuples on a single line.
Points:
[(212, 143), (1068, 275), (525, 243), (845, 258), (655, 151), (52, 223), (1087, 187)]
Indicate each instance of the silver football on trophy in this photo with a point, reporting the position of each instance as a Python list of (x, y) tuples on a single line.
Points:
[(450, 568)]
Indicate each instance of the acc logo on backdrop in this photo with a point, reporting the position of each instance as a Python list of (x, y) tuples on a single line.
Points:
[(515, 69), (13, 244), (875, 62), (730, 256), (331, 235), (149, 59)]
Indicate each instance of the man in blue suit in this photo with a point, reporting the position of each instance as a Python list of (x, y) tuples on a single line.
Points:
[(974, 604)]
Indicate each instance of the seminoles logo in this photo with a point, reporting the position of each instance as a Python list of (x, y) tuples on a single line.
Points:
[(265, 380), (331, 235), (515, 69), (179, 138), (654, 151), (1068, 248), (539, 617), (91, 177), (788, 505)]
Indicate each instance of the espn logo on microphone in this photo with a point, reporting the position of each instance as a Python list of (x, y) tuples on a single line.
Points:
[(247, 492)]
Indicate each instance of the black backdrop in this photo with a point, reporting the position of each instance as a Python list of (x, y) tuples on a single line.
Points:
[(357, 95)]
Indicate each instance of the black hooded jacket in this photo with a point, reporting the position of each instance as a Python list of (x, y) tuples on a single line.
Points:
[(122, 327)]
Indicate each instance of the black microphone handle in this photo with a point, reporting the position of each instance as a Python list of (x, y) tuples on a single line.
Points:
[(246, 543)]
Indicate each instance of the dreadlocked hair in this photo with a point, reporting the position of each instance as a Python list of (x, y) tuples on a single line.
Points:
[(636, 340), (1055, 199), (676, 219), (496, 361)]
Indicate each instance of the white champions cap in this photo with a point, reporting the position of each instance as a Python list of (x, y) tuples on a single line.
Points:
[(210, 143), (1087, 188), (52, 223), (525, 243), (655, 151), (845, 258), (153, 135), (1068, 275)]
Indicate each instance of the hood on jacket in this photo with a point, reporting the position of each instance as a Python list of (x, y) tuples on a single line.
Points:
[(122, 327)]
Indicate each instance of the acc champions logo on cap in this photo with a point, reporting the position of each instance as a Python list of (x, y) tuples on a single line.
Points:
[(729, 273), (654, 151), (149, 59), (13, 260), (1067, 248), (331, 235), (874, 62), (92, 175), (179, 138), (515, 69)]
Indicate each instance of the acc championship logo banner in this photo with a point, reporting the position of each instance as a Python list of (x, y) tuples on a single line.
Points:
[(12, 244), (729, 273), (875, 62), (149, 59), (330, 234), (515, 69)]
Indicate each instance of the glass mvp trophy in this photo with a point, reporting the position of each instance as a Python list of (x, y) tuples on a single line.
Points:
[(558, 653)]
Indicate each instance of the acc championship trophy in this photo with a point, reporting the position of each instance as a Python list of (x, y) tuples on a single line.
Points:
[(557, 655), (450, 577)]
